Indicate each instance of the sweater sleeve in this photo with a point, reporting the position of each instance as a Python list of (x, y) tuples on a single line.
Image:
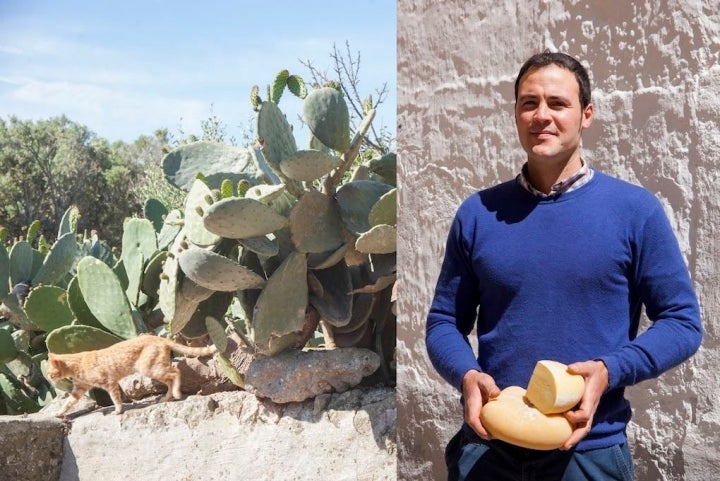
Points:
[(663, 285), (453, 311)]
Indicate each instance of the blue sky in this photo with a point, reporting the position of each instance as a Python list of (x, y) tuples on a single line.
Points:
[(126, 68)]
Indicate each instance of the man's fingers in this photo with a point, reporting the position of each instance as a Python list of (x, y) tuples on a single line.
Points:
[(478, 387), (577, 436)]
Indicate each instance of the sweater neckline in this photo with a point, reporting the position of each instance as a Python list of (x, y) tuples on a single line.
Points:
[(563, 196)]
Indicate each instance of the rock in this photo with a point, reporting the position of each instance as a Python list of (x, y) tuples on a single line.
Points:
[(295, 376), (235, 435), (83, 406), (31, 448), (199, 376)]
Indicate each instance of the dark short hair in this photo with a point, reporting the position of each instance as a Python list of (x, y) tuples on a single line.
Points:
[(562, 60)]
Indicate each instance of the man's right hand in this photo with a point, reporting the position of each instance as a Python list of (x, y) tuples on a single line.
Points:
[(478, 387)]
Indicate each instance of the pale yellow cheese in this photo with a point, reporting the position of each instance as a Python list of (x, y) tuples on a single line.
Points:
[(510, 418), (533, 419), (552, 389)]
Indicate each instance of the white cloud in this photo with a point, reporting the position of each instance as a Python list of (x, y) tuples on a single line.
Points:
[(111, 113)]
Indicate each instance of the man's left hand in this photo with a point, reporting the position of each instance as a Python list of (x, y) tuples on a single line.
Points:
[(596, 382)]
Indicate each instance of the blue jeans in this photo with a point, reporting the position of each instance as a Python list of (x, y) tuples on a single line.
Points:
[(470, 458)]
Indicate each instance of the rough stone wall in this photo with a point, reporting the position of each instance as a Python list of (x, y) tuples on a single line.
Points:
[(225, 436), (656, 90)]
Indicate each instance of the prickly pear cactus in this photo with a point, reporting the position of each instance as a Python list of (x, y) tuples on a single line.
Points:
[(300, 242)]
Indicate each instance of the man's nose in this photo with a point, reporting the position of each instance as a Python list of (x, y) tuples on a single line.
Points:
[(541, 112)]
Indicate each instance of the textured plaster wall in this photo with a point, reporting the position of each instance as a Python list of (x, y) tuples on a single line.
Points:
[(656, 80)]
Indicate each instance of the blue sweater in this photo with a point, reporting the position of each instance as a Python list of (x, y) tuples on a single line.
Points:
[(564, 279)]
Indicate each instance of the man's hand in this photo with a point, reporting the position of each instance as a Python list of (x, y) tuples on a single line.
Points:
[(478, 387), (596, 382)]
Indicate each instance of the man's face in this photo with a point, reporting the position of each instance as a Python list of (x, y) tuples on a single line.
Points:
[(549, 117)]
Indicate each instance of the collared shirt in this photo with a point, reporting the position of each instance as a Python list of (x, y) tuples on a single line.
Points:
[(581, 177)]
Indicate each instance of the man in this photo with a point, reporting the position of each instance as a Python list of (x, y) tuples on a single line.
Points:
[(557, 264)]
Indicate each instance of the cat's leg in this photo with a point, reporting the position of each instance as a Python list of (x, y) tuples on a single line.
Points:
[(173, 380), (116, 396), (168, 375), (78, 391)]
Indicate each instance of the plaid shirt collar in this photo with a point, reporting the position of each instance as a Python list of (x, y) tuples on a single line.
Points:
[(581, 177)]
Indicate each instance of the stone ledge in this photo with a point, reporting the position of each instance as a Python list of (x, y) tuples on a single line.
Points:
[(30, 448), (222, 436)]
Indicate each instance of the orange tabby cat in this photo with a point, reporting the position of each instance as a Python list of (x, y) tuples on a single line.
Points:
[(146, 354)]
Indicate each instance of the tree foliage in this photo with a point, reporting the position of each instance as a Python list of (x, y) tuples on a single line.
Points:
[(49, 165)]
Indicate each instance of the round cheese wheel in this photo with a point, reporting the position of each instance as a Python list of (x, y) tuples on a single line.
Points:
[(552, 389), (511, 418)]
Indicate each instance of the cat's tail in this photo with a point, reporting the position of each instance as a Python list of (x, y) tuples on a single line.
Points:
[(192, 351)]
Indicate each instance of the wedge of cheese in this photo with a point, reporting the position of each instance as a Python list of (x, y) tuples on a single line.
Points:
[(511, 418), (552, 389)]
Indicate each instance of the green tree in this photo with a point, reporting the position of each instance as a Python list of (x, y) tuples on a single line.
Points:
[(147, 151), (48, 165)]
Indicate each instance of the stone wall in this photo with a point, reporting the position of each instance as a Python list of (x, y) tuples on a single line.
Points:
[(656, 92), (234, 435)]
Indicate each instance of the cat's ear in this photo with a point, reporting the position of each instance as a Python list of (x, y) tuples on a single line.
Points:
[(55, 362)]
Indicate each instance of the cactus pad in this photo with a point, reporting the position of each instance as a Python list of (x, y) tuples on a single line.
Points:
[(69, 221), (309, 165), (356, 199), (335, 305), (216, 330), (214, 306), (188, 297), (8, 351), (381, 239), (16, 401), (196, 204), (384, 169), (21, 263), (47, 307), (315, 223), (385, 210), (241, 218), (362, 308), (296, 85), (79, 308), (265, 193), (264, 245), (323, 260), (59, 261), (4, 271), (78, 338), (105, 297), (327, 116), (279, 85), (151, 276), (139, 243), (167, 290), (276, 138), (170, 229), (155, 211), (279, 313), (216, 272), (215, 161)]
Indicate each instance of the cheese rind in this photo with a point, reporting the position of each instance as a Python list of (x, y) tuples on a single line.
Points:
[(510, 418), (552, 389)]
